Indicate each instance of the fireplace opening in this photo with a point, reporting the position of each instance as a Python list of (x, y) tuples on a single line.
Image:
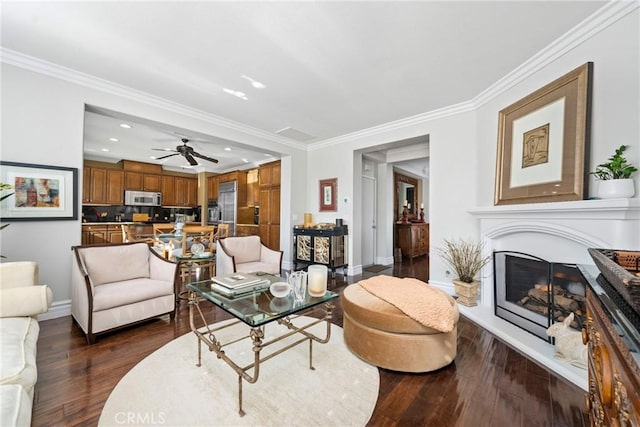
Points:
[(533, 293)]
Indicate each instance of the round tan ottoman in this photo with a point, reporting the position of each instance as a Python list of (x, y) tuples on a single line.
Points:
[(384, 336)]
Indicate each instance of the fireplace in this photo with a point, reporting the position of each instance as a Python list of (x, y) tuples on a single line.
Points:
[(533, 293)]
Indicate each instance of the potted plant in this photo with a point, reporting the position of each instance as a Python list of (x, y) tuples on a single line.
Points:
[(466, 260), (615, 176)]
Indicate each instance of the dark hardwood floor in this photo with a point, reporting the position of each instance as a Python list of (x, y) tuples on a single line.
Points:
[(489, 384)]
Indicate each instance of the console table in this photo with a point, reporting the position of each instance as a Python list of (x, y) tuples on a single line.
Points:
[(325, 246), (413, 239), (612, 333)]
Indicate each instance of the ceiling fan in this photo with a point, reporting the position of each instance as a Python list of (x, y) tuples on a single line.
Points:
[(187, 152)]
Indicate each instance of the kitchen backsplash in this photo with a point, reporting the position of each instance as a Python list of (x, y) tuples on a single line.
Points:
[(125, 213)]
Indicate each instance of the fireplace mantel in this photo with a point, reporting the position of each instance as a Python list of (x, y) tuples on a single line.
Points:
[(556, 232)]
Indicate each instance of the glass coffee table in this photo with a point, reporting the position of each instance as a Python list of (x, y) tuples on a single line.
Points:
[(255, 310)]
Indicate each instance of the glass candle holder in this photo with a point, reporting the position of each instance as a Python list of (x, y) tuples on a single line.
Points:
[(317, 280)]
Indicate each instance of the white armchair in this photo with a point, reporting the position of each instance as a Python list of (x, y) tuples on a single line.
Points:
[(117, 285), (246, 254)]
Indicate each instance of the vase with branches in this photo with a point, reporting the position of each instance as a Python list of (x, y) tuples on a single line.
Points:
[(466, 259)]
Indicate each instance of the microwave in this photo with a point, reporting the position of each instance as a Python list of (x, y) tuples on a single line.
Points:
[(142, 198)]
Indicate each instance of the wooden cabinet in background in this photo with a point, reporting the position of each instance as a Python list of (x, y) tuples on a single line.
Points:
[(247, 230), (212, 188), (253, 188), (269, 174), (142, 181), (179, 191), (168, 191), (104, 186), (413, 239), (100, 234)]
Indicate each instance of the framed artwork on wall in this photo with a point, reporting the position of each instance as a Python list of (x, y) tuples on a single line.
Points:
[(543, 142), (39, 193), (328, 194)]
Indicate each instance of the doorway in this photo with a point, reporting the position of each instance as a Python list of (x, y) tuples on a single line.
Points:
[(368, 223)]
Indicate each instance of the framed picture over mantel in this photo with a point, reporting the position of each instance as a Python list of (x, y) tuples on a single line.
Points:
[(39, 192), (543, 141), (328, 195)]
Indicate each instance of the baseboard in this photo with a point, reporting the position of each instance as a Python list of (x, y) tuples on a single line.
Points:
[(57, 309)]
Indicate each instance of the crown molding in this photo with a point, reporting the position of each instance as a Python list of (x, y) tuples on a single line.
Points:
[(40, 66)]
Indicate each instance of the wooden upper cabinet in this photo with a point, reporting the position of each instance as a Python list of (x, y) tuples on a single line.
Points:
[(115, 187), (242, 188), (86, 185), (192, 192), (253, 189), (98, 186), (142, 181), (133, 181), (269, 174), (212, 188), (168, 190)]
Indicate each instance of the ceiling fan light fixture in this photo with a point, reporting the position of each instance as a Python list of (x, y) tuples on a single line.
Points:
[(227, 149), (256, 84)]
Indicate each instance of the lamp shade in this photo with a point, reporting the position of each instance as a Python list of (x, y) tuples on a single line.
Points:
[(317, 280)]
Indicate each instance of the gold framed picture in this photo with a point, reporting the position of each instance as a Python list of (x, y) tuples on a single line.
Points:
[(543, 140)]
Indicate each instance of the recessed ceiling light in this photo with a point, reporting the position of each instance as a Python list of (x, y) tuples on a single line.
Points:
[(256, 84), (114, 139), (106, 150), (245, 160), (124, 125), (152, 157), (235, 93), (227, 149), (266, 154)]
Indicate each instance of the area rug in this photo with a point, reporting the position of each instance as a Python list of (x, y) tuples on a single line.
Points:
[(376, 268), (167, 388)]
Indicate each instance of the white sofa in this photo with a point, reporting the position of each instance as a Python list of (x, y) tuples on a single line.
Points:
[(21, 300), (117, 285), (246, 254)]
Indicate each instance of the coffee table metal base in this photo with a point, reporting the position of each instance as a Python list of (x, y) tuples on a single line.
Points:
[(206, 335)]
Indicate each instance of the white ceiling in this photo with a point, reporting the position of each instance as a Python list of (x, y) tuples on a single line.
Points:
[(330, 68)]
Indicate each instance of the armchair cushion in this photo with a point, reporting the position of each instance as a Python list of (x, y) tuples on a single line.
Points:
[(18, 274), (108, 264), (18, 361)]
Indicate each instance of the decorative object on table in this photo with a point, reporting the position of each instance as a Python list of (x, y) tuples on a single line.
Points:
[(197, 249), (317, 280), (466, 259), (542, 140), (421, 212), (280, 289), (405, 213), (42, 193), (622, 271), (237, 285), (308, 220), (328, 195), (568, 343), (614, 176), (298, 283)]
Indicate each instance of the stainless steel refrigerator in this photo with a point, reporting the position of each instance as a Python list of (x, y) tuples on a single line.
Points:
[(228, 202)]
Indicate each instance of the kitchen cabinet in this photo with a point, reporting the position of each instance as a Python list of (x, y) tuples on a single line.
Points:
[(413, 239), (100, 234), (269, 174), (212, 188), (253, 188), (247, 230), (269, 199), (142, 181), (86, 185), (105, 186), (179, 191), (270, 217)]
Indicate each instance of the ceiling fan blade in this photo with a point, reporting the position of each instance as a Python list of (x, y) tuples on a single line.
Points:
[(191, 160), (168, 155), (211, 159), (162, 149)]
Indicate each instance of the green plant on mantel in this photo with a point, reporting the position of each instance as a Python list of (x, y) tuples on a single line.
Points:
[(616, 168), (464, 257), (3, 187)]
